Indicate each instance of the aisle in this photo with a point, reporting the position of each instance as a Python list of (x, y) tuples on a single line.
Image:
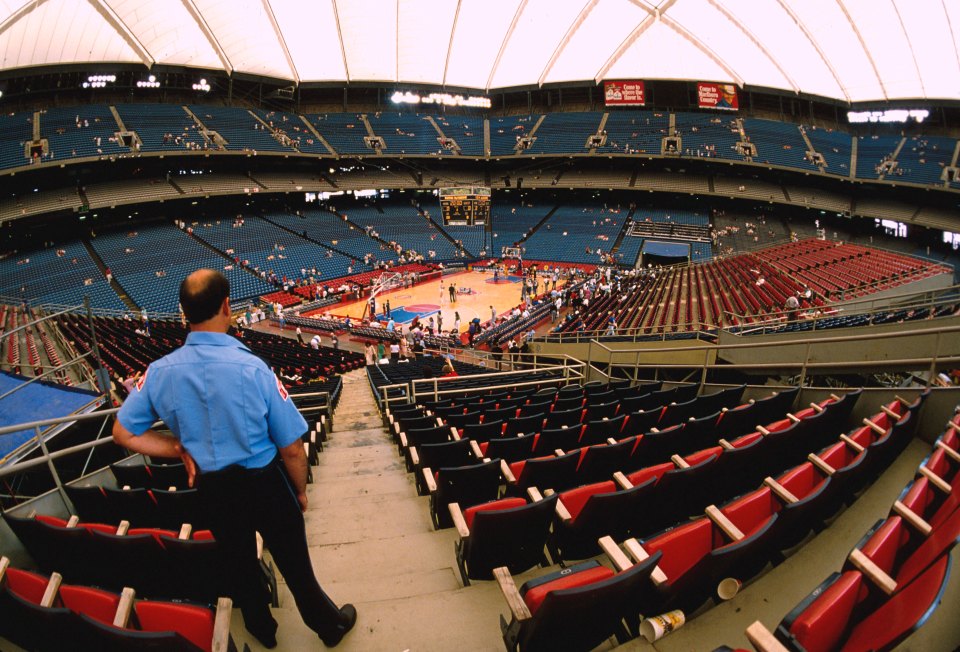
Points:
[(372, 543)]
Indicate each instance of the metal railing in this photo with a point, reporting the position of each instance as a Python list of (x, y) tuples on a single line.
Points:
[(804, 365)]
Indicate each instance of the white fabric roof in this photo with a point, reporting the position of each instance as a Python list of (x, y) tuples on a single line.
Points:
[(852, 50)]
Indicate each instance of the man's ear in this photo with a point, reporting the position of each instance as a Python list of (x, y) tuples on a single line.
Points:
[(225, 308)]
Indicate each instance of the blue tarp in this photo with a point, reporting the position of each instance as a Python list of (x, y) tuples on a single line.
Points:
[(666, 249)]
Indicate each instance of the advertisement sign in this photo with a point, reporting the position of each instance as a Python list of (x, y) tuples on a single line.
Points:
[(717, 96), (623, 93)]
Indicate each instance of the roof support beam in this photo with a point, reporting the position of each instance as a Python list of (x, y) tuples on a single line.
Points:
[(343, 49), (953, 35), (506, 39), (587, 8), (816, 46), (866, 50), (644, 25), (25, 9), (208, 33), (453, 31), (756, 42), (111, 17), (283, 42), (913, 54), (703, 47)]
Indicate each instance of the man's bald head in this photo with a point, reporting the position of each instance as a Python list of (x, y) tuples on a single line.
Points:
[(202, 294)]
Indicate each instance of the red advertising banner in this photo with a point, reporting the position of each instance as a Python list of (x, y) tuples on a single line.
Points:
[(623, 93), (717, 96)]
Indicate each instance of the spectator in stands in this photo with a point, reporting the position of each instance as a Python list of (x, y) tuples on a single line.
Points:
[(381, 351), (394, 352), (300, 336), (249, 419), (315, 342), (369, 354), (335, 341), (791, 305), (448, 370), (391, 325)]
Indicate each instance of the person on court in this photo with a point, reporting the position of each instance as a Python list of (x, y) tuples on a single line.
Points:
[(238, 433)]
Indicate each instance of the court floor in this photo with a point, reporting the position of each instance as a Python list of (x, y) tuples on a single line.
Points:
[(476, 293)]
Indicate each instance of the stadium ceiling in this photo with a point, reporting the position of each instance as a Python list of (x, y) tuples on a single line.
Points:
[(849, 50)]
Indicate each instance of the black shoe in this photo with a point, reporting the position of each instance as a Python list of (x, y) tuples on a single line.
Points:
[(265, 632), (348, 618)]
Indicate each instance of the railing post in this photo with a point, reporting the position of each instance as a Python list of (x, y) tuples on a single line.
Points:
[(703, 374), (51, 466), (803, 368), (933, 360), (103, 377)]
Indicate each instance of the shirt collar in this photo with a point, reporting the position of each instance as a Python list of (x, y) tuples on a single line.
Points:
[(207, 338)]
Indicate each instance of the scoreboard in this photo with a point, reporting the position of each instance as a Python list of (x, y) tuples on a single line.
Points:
[(468, 205)]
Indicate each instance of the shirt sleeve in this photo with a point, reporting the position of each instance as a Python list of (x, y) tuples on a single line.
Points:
[(137, 413), (285, 424)]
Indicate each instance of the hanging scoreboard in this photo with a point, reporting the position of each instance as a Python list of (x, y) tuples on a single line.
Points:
[(466, 205)]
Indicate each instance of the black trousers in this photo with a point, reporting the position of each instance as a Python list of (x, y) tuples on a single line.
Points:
[(240, 502)]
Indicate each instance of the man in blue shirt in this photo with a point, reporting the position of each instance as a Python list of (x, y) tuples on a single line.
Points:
[(238, 433)]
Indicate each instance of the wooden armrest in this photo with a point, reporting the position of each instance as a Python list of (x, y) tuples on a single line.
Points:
[(852, 444), (724, 410), (780, 491), (949, 451), (122, 616), (313, 437), (724, 523), (794, 418), (654, 430), (394, 426), (817, 407), (835, 397), (763, 431), (535, 494), (820, 464), (876, 574), (221, 626), (763, 639), (428, 479), (456, 514), (911, 517), (50, 593), (636, 551), (454, 435), (726, 445), (955, 426), (936, 480), (126, 487), (562, 512), (306, 449), (403, 440), (611, 441), (4, 565), (622, 480), (74, 520), (123, 528), (507, 586), (873, 426), (259, 545), (439, 420), (414, 456), (620, 560), (507, 473), (753, 400), (185, 531), (559, 452), (679, 462), (890, 413), (475, 447)]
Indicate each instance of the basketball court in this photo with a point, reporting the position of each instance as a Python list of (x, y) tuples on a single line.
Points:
[(476, 292)]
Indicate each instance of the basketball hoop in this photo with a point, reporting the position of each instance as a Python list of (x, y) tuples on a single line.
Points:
[(511, 253), (385, 282)]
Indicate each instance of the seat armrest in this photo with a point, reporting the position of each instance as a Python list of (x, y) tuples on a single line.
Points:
[(874, 427), (794, 417), (639, 555), (873, 572), (74, 521), (679, 462), (455, 436), (936, 480), (475, 447), (820, 464), (763, 431), (763, 639), (534, 494), (50, 593), (622, 480), (403, 440), (852, 444), (724, 523), (611, 441), (221, 626), (428, 479), (259, 546), (727, 446), (890, 413), (507, 586), (507, 473), (949, 452), (816, 407), (122, 616), (185, 531), (123, 528), (911, 517), (780, 491), (414, 456), (456, 514), (619, 559)]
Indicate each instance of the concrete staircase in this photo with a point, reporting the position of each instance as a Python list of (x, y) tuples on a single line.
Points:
[(373, 544)]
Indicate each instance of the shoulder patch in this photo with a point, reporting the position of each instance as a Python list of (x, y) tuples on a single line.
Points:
[(142, 380), (283, 390)]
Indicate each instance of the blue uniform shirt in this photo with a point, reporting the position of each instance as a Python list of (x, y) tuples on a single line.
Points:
[(219, 399)]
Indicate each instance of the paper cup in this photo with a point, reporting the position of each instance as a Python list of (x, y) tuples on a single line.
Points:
[(655, 628), (728, 588)]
